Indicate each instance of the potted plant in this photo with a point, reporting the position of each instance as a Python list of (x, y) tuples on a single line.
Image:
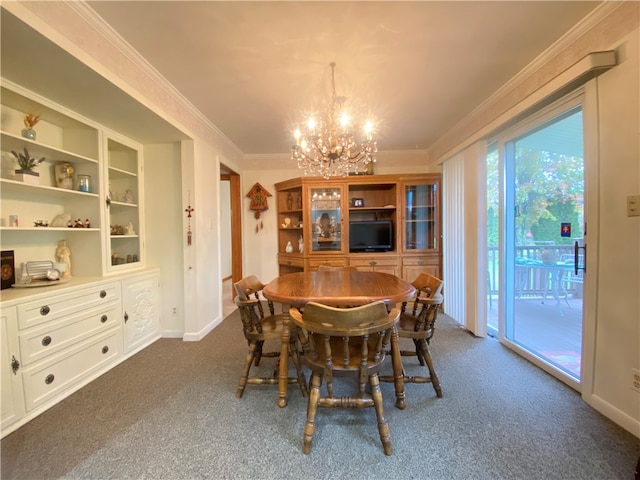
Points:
[(27, 163)]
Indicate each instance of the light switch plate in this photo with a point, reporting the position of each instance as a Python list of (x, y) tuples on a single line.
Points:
[(633, 206)]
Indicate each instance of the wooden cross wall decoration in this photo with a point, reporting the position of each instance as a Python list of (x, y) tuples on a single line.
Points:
[(258, 195), (189, 211)]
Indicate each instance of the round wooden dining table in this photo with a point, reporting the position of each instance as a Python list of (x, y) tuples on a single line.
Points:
[(340, 289)]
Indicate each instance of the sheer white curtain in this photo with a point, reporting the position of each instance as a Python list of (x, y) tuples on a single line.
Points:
[(465, 237)]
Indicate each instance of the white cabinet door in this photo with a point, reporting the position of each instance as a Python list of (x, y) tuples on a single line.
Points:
[(124, 204), (12, 406), (141, 311)]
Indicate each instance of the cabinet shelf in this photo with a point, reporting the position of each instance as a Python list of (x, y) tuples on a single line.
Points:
[(118, 172), (118, 237), (372, 209), (123, 204), (13, 186), (47, 229), (37, 149)]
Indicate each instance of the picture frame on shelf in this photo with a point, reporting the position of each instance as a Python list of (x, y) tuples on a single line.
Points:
[(357, 202)]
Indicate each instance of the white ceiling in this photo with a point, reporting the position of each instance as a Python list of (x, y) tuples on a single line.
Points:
[(252, 68)]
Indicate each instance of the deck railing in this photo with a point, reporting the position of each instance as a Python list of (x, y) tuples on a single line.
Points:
[(535, 282)]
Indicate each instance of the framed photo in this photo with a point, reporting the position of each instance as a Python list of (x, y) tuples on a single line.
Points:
[(8, 269), (357, 202)]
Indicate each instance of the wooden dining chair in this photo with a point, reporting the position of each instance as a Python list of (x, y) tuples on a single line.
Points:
[(345, 342), (426, 285), (259, 327), (420, 329)]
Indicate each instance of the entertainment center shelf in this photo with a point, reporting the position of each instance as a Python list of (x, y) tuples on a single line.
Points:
[(387, 223)]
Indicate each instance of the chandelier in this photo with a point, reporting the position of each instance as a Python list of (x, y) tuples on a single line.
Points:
[(328, 147)]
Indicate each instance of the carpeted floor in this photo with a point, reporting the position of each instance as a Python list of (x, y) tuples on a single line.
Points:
[(170, 412)]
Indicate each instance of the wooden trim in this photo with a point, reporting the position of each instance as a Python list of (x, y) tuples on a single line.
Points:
[(236, 230)]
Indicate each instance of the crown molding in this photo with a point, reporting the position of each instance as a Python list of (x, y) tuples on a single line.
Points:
[(444, 146), (95, 21), (585, 25)]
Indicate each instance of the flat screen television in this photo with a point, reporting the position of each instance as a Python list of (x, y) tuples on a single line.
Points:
[(371, 236)]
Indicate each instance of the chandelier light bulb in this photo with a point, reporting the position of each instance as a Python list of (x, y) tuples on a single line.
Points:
[(344, 120)]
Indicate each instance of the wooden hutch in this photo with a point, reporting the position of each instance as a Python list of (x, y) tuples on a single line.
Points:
[(321, 222)]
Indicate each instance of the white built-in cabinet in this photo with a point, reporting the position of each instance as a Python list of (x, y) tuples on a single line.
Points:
[(59, 337), (140, 304), (11, 403)]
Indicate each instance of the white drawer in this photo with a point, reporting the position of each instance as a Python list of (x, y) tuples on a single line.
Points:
[(47, 380), (36, 343), (45, 310)]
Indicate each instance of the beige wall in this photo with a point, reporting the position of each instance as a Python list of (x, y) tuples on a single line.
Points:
[(616, 339)]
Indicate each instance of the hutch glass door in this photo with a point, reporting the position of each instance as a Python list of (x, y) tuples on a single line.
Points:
[(420, 213), (326, 218)]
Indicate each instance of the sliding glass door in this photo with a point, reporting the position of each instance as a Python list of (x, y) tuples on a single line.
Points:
[(541, 172)]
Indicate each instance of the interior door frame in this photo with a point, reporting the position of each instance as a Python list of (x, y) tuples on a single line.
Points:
[(235, 203)]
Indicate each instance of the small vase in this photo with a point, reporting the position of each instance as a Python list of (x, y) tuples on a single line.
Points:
[(29, 133), (289, 248)]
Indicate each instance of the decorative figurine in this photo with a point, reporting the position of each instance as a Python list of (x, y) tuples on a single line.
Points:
[(61, 220), (128, 196), (63, 255), (64, 175), (289, 248), (301, 244)]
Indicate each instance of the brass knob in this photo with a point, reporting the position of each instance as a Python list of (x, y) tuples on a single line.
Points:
[(105, 349), (46, 340), (103, 294), (103, 318), (49, 379), (45, 310), (126, 317)]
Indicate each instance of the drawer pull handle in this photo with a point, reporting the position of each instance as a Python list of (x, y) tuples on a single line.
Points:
[(103, 318), (15, 365), (373, 263), (420, 262), (103, 294), (49, 379), (46, 341), (126, 317), (45, 310), (105, 349)]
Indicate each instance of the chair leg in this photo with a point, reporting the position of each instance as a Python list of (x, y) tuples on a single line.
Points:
[(418, 353), (383, 426), (312, 409), (293, 352), (244, 377), (258, 353), (424, 351)]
